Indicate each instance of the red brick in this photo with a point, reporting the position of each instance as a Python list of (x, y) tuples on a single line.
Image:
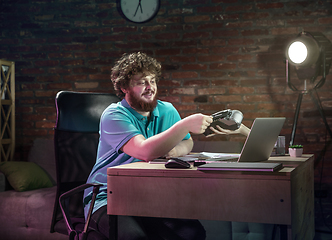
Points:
[(181, 91), (210, 9), (241, 41), (211, 58), (169, 83), (303, 22), (35, 132), (86, 55), (74, 47), (46, 63), (225, 33), (48, 78), (28, 71), (195, 83), (243, 107), (74, 78), (284, 31), (222, 66), (191, 19), (60, 40), (9, 41), (210, 26), (113, 37), (269, 5), (182, 59), (58, 71), (196, 51), (214, 42), (171, 99), (211, 91), (195, 35), (127, 45), (327, 20), (169, 20), (99, 76), (165, 36), (72, 62), (156, 28), (225, 50), (241, 90), (60, 55), (255, 15), (268, 23), (86, 85), (224, 82), (182, 75), (124, 29), (61, 86), (235, 58), (168, 52), (212, 74), (239, 8), (257, 98), (254, 32), (84, 24), (194, 67), (237, 25), (49, 94), (228, 98), (211, 108)]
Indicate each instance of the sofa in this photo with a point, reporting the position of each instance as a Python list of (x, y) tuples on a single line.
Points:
[(26, 208), (27, 195)]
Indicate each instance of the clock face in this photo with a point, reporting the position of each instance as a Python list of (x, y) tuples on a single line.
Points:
[(138, 11)]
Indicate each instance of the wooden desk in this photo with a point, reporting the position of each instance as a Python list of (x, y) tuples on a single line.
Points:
[(285, 197)]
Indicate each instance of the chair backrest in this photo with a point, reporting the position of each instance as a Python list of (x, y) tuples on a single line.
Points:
[(76, 136)]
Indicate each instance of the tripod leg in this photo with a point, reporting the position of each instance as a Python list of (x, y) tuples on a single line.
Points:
[(321, 112), (296, 117)]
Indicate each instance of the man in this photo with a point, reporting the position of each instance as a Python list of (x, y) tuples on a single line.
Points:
[(142, 128)]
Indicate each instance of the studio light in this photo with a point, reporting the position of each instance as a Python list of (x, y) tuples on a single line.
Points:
[(311, 55)]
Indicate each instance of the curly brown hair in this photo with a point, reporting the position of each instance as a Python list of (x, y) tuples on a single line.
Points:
[(132, 64)]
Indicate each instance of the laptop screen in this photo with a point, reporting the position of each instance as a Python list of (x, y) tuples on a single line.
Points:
[(261, 139)]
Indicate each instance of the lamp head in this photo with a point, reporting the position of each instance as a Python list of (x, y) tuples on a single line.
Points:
[(307, 52)]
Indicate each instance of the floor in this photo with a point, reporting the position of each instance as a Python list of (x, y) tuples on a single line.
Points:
[(323, 218), (323, 236)]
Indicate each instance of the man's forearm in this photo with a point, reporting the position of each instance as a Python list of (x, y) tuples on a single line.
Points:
[(182, 148)]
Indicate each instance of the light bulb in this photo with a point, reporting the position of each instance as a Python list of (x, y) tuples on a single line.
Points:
[(297, 52)]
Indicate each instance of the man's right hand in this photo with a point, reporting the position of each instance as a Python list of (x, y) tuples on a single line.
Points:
[(197, 123)]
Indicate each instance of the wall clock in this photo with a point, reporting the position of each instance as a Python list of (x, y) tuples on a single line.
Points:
[(138, 11)]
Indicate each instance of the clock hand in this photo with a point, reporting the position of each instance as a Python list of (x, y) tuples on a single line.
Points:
[(139, 5)]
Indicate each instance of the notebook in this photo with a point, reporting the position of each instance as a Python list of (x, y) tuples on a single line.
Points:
[(257, 147)]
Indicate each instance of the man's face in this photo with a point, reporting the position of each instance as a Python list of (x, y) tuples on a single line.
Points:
[(142, 92)]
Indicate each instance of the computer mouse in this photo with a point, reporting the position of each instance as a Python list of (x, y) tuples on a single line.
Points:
[(177, 163)]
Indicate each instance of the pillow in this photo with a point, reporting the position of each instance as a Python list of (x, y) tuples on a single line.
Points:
[(25, 176)]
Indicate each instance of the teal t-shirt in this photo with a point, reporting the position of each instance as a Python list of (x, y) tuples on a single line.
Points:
[(118, 124)]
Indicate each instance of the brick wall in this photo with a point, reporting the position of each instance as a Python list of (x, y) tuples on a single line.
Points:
[(216, 54)]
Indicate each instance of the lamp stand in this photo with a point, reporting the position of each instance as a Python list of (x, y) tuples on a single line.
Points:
[(314, 98)]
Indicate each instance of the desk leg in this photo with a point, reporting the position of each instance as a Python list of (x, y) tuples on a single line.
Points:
[(113, 227)]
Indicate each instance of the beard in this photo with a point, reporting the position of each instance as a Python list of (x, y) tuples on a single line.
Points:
[(141, 105)]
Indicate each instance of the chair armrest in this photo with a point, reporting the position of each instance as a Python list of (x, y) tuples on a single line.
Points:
[(62, 201), (78, 189)]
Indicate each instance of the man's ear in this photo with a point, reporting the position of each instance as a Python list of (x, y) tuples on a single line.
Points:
[(124, 90)]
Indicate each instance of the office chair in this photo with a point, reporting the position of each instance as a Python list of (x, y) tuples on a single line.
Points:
[(76, 137)]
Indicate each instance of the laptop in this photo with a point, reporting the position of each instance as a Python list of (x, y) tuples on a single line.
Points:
[(258, 145)]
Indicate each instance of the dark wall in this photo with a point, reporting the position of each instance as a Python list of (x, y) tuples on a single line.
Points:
[(216, 54)]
